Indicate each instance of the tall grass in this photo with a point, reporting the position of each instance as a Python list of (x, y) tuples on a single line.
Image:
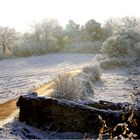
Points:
[(68, 87), (93, 72), (76, 86)]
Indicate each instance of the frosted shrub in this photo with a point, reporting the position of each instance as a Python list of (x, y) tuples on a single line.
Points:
[(93, 72), (67, 87), (112, 63), (72, 87), (87, 85), (137, 49), (132, 37), (100, 57), (83, 47), (115, 46)]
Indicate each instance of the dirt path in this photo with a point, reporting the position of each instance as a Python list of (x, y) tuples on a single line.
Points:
[(113, 87), (7, 108), (8, 111)]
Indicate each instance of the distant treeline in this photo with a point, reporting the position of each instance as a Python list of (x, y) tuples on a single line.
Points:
[(48, 36)]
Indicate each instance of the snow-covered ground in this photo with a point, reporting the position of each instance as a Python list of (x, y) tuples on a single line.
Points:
[(18, 76), (113, 86), (20, 131)]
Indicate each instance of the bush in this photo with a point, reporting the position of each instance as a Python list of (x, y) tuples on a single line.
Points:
[(137, 49), (87, 85), (25, 52), (72, 87), (76, 86), (100, 57), (67, 87), (83, 47), (53, 49), (93, 72), (115, 46), (123, 44), (131, 36), (114, 63)]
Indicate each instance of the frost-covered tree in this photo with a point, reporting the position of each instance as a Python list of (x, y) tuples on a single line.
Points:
[(124, 24), (47, 32), (72, 26), (8, 38), (94, 30), (72, 32)]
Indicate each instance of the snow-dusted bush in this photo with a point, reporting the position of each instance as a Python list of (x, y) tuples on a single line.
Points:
[(112, 63), (115, 46), (83, 47), (72, 87), (137, 49), (100, 57), (24, 52), (130, 36), (122, 44), (76, 86), (67, 87), (93, 72), (87, 85)]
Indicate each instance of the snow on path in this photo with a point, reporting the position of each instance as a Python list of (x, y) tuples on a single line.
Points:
[(113, 86), (18, 76)]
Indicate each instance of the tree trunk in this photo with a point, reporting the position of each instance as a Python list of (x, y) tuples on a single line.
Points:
[(4, 49)]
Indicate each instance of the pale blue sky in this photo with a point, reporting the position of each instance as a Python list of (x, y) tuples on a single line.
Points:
[(21, 13)]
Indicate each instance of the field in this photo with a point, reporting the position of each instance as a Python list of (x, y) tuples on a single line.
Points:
[(20, 76)]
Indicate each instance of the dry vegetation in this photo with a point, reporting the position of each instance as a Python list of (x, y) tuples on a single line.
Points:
[(68, 87), (122, 130), (93, 72), (76, 86), (112, 63)]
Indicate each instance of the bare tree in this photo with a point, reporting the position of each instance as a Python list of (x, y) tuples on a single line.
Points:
[(8, 38), (48, 31), (123, 24)]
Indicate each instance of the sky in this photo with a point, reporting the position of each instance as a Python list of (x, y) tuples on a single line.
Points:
[(20, 14)]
